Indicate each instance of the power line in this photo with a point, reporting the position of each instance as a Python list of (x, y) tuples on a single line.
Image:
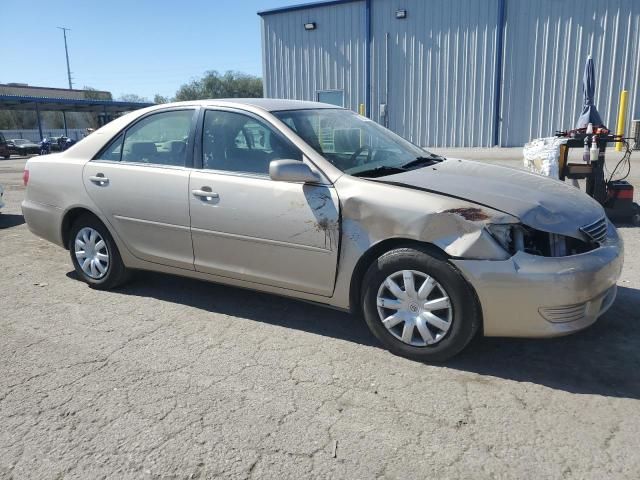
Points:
[(66, 51)]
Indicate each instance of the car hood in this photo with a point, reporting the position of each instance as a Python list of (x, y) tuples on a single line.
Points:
[(539, 202)]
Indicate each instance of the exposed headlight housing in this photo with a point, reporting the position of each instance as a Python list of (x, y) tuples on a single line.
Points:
[(521, 238), (502, 234)]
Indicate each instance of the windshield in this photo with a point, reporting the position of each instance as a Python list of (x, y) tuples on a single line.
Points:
[(353, 143)]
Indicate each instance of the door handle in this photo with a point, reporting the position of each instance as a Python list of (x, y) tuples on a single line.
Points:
[(99, 179), (204, 194)]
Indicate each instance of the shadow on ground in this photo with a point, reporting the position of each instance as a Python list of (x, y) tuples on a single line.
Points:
[(627, 224), (603, 360), (8, 220)]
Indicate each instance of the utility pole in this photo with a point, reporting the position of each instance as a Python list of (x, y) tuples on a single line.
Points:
[(66, 51)]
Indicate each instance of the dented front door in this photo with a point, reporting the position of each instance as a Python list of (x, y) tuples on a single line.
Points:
[(256, 229)]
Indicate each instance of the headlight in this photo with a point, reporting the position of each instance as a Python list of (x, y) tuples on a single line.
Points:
[(521, 238), (503, 234)]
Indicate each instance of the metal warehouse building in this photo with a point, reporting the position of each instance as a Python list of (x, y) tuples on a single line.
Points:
[(456, 72)]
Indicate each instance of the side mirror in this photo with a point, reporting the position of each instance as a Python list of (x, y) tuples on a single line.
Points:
[(292, 171)]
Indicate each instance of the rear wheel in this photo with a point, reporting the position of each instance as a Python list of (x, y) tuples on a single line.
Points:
[(418, 305), (95, 255)]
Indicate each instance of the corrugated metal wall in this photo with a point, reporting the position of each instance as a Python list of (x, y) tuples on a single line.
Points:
[(546, 45), (298, 63), (441, 64)]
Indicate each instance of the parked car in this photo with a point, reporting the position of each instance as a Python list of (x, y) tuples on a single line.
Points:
[(4, 148), (56, 144), (318, 203), (23, 147)]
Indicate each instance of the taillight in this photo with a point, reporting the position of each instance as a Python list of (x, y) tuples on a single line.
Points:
[(25, 177)]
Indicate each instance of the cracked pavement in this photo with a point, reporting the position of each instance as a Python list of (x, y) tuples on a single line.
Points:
[(176, 378)]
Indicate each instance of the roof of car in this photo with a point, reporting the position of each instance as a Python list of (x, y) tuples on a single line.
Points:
[(268, 104)]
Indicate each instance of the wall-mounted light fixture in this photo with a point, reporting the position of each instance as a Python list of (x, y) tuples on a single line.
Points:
[(310, 26), (401, 14)]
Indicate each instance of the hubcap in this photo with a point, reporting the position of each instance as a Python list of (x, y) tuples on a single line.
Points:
[(414, 308), (91, 252)]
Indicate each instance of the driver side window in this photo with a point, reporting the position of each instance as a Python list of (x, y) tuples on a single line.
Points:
[(235, 142)]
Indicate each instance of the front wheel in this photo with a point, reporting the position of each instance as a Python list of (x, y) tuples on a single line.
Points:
[(418, 305), (95, 255)]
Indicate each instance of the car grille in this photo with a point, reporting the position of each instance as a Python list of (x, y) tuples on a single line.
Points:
[(569, 313), (572, 313), (596, 231)]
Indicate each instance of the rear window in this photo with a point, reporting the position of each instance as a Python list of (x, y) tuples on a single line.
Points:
[(2, 139)]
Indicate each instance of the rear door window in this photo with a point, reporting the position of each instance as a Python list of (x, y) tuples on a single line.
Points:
[(160, 139)]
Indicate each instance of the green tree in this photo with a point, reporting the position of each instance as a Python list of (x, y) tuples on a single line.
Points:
[(132, 97), (7, 121), (160, 99), (93, 94), (214, 85), (18, 119)]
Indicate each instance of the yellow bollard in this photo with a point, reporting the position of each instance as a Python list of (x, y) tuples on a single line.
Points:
[(622, 116), (361, 109)]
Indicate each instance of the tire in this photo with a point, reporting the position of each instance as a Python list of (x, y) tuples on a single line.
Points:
[(111, 273), (457, 323)]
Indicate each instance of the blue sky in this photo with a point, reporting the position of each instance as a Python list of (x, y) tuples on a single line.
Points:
[(130, 46)]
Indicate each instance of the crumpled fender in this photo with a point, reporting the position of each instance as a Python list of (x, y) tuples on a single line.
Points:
[(373, 212)]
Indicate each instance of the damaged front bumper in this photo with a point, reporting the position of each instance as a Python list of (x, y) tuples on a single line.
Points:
[(534, 296)]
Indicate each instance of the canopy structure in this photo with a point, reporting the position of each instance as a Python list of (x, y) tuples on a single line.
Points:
[(105, 108)]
